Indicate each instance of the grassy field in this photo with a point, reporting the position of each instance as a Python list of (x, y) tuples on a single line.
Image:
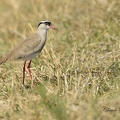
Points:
[(77, 75)]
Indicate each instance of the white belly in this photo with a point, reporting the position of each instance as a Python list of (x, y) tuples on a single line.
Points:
[(30, 57)]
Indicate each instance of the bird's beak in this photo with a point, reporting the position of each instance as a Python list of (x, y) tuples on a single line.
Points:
[(53, 27)]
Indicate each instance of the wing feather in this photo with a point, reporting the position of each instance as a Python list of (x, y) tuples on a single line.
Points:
[(25, 48)]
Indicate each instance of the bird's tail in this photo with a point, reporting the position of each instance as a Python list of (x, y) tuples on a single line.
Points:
[(3, 60)]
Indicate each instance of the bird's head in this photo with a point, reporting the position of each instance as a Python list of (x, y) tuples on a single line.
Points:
[(45, 24)]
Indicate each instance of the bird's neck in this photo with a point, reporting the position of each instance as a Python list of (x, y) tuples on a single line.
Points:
[(42, 33)]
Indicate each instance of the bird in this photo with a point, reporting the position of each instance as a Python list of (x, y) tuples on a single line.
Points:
[(30, 47)]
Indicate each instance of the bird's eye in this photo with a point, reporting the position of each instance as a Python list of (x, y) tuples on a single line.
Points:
[(47, 23)]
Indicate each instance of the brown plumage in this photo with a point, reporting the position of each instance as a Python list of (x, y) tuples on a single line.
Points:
[(25, 49)]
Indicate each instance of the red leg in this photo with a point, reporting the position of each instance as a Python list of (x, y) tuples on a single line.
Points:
[(24, 72), (30, 72)]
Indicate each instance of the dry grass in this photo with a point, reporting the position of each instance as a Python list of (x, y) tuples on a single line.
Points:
[(77, 75)]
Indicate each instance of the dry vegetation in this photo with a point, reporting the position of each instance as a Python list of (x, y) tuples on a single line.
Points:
[(77, 74)]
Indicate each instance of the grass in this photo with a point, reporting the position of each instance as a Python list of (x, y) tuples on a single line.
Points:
[(77, 75)]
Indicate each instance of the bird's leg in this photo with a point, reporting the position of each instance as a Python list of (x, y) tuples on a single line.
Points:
[(24, 71), (30, 72), (28, 67)]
